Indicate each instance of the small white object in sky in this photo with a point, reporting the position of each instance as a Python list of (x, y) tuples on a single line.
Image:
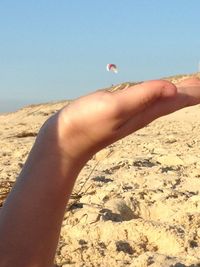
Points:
[(112, 67)]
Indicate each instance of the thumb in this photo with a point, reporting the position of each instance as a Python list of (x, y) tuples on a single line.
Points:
[(139, 97)]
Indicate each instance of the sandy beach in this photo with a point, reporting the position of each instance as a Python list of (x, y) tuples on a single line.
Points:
[(136, 203)]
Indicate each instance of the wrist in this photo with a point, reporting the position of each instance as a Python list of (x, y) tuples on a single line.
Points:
[(55, 145)]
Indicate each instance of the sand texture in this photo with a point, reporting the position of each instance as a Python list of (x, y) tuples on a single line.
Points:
[(136, 203)]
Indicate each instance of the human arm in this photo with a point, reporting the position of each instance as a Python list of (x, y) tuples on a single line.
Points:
[(30, 220)]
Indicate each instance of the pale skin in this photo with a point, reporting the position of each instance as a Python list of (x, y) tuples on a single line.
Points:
[(30, 220)]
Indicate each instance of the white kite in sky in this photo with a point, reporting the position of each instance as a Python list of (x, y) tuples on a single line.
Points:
[(112, 67)]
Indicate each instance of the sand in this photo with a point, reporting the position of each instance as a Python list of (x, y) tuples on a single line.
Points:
[(136, 203)]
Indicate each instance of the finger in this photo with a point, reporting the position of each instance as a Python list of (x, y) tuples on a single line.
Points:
[(189, 91), (189, 81), (142, 95), (186, 96)]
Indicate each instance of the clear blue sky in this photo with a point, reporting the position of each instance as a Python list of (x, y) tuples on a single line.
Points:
[(58, 49)]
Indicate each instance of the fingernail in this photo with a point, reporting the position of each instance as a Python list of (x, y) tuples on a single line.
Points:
[(170, 90)]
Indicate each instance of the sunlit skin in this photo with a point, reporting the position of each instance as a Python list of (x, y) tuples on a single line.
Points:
[(31, 218)]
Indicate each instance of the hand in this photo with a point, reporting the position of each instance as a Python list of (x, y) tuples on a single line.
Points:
[(66, 141), (92, 122)]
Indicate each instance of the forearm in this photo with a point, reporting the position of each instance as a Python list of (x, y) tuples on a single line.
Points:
[(31, 218)]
